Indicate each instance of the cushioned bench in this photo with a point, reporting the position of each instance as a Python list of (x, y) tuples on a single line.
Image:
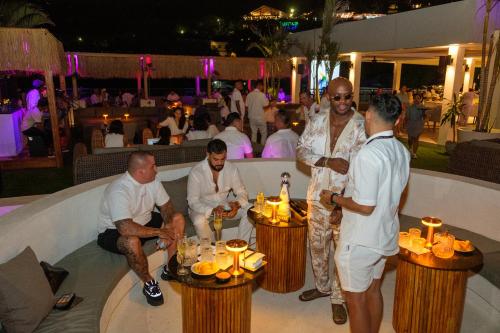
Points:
[(489, 247)]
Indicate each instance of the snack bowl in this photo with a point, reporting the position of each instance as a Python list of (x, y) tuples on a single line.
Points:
[(222, 277), (463, 246)]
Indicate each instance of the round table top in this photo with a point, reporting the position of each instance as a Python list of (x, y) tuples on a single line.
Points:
[(459, 261), (256, 218), (211, 282)]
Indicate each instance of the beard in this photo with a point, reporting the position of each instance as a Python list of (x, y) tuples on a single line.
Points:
[(215, 167)]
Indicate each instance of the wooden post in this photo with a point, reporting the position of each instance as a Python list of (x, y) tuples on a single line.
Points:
[(146, 87), (74, 84), (209, 85), (54, 121), (62, 83)]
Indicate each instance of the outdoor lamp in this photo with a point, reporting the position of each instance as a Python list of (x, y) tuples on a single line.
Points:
[(126, 116), (105, 116), (430, 223), (236, 246), (295, 123), (274, 202)]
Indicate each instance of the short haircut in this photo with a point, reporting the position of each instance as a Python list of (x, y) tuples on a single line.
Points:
[(307, 93), (137, 159), (200, 122), (116, 126), (232, 117), (284, 116), (259, 82), (216, 146), (387, 107)]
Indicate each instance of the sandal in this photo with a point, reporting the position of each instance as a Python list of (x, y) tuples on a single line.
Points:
[(312, 294)]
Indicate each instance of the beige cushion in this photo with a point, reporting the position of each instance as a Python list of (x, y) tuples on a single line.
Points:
[(25, 294), (177, 190)]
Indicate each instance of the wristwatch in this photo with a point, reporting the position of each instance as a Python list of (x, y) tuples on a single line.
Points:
[(331, 198)]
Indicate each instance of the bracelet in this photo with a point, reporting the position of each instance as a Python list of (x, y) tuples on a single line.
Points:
[(331, 198)]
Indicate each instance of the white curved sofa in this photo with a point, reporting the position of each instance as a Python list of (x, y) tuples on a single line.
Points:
[(65, 221)]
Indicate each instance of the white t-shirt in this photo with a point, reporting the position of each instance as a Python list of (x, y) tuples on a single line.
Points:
[(201, 194), (281, 144), (256, 101), (197, 135), (125, 198), (31, 117), (238, 144), (212, 130), (113, 140), (236, 97), (32, 98), (378, 175), (127, 98)]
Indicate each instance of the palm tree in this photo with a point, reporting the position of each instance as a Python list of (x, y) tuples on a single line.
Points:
[(488, 48), (22, 14), (453, 112), (274, 45)]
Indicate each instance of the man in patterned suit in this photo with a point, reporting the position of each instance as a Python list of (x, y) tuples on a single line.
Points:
[(328, 144)]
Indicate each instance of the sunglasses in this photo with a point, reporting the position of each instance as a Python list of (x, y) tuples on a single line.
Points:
[(338, 97)]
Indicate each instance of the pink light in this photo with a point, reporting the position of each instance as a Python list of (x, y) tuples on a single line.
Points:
[(205, 67), (70, 64), (212, 65), (77, 69), (26, 47), (249, 84), (198, 90), (148, 60), (262, 67)]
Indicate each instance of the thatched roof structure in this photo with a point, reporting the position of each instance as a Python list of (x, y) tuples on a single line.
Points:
[(30, 50), (109, 65)]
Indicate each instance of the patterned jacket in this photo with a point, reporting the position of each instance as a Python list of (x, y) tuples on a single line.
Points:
[(314, 143)]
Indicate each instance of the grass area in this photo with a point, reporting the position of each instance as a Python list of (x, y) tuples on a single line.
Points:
[(430, 157), (35, 181), (45, 181)]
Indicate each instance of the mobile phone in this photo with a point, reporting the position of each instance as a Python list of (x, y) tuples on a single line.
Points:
[(65, 301)]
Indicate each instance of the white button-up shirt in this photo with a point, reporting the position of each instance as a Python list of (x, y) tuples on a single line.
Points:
[(281, 144), (125, 198), (314, 143), (236, 97), (201, 195), (238, 144), (377, 177), (256, 101)]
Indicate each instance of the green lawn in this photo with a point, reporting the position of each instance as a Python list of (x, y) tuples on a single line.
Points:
[(43, 181)]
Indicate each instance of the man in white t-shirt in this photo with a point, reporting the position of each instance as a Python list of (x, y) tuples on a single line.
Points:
[(210, 184), (238, 144), (308, 107), (127, 99), (127, 220), (256, 101), (283, 143), (369, 231), (237, 102)]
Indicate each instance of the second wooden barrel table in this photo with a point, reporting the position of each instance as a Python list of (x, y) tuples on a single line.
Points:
[(284, 245)]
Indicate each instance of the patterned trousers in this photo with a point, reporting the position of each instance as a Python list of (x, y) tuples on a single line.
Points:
[(321, 234)]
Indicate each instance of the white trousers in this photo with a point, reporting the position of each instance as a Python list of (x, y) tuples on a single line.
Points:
[(261, 126)]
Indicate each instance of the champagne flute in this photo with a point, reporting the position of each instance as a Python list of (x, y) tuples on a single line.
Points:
[(181, 254), (218, 225)]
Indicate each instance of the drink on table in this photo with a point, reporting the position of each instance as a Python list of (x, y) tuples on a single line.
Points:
[(181, 255), (218, 225), (206, 250), (190, 253)]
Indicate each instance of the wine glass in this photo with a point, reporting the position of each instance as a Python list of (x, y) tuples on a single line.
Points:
[(181, 254), (218, 225)]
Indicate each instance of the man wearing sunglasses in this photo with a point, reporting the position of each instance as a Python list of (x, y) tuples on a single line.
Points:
[(329, 142)]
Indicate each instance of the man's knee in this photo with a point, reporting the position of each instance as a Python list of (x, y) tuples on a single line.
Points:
[(129, 244)]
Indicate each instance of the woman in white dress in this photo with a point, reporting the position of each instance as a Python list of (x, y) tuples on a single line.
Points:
[(177, 124), (115, 136)]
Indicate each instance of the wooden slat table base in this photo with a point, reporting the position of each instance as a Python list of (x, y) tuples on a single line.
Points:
[(206, 310), (428, 300), (285, 250)]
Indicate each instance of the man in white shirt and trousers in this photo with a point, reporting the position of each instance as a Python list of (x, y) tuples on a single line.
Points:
[(283, 143), (369, 231), (237, 103), (256, 102), (215, 185), (238, 144)]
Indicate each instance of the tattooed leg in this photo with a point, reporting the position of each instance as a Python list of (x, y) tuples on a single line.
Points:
[(131, 247)]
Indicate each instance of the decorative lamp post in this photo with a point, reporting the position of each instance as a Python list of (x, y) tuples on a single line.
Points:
[(431, 223), (236, 246)]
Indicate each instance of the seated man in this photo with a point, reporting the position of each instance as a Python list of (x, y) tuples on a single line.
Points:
[(209, 184), (127, 219), (283, 143), (238, 143)]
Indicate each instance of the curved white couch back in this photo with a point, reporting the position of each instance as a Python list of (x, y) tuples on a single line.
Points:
[(64, 221)]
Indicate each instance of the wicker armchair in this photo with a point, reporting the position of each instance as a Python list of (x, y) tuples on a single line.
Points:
[(97, 139), (477, 159)]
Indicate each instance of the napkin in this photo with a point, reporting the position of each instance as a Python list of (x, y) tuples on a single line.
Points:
[(251, 259)]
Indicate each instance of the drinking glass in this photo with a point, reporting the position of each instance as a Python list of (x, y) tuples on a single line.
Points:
[(218, 225), (190, 253), (414, 233), (418, 243), (222, 258), (404, 239), (181, 255), (205, 249)]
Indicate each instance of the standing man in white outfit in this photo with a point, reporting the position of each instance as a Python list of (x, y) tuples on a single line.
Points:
[(210, 184), (256, 102), (238, 144), (237, 103), (283, 143), (369, 231)]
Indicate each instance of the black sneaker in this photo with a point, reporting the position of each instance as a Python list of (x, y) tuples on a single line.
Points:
[(153, 293), (166, 275)]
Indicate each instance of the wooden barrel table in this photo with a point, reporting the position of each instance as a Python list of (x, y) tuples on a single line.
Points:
[(210, 307), (284, 245), (430, 291)]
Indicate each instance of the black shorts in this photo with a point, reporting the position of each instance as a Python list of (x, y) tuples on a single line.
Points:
[(107, 240)]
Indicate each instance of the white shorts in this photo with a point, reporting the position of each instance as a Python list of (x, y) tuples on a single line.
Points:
[(358, 266)]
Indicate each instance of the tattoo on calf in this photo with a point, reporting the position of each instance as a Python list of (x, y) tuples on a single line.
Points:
[(135, 257)]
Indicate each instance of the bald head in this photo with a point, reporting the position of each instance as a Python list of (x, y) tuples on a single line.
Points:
[(142, 166), (339, 82), (137, 160)]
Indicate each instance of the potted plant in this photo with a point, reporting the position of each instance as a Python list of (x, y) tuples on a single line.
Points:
[(450, 116)]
